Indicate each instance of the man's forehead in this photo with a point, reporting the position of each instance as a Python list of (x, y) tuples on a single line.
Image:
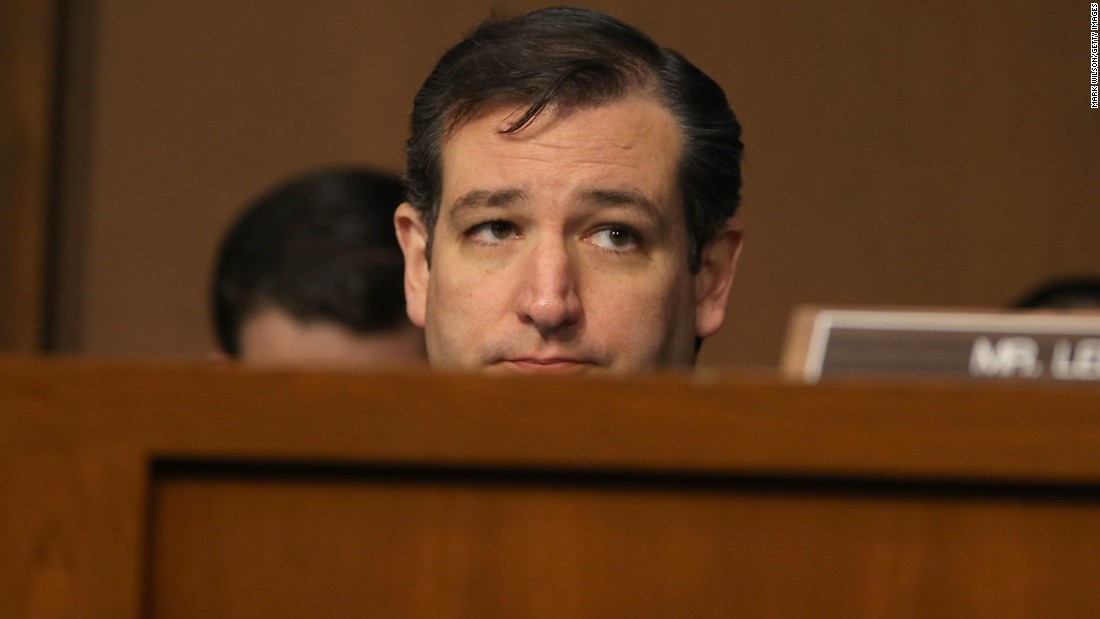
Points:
[(622, 153)]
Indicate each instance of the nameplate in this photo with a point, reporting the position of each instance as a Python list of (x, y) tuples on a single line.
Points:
[(824, 343)]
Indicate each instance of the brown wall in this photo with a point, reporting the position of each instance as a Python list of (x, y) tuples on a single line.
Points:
[(940, 154), (27, 46)]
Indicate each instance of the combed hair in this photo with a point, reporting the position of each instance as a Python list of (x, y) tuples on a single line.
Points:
[(1081, 292), (321, 247)]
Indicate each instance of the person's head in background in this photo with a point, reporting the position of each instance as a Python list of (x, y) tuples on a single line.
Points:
[(571, 189), (311, 274), (1076, 294)]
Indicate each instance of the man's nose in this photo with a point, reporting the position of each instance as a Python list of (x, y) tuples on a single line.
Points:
[(548, 298)]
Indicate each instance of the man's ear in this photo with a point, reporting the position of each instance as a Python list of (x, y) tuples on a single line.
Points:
[(712, 282), (413, 237)]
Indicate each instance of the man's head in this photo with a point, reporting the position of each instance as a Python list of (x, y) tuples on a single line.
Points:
[(571, 189), (310, 273), (1075, 294)]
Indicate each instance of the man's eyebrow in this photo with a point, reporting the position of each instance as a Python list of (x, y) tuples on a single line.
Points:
[(632, 200), (486, 198)]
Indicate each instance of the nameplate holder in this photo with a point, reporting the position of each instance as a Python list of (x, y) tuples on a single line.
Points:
[(824, 343)]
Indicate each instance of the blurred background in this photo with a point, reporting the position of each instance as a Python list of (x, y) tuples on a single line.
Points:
[(941, 154)]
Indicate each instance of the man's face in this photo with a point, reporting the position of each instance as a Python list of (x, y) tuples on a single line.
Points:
[(272, 337), (562, 247)]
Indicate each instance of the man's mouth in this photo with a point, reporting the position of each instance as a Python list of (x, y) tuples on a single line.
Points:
[(548, 365)]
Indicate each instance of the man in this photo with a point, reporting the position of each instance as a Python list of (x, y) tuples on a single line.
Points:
[(572, 186), (1070, 294), (310, 274)]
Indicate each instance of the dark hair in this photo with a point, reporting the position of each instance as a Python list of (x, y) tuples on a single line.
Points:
[(321, 247), (574, 58), (1066, 293)]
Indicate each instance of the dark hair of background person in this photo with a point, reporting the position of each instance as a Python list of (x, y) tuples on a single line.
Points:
[(321, 247), (1064, 293), (571, 58)]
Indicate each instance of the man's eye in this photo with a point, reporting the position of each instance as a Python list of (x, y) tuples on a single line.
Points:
[(492, 232), (615, 238)]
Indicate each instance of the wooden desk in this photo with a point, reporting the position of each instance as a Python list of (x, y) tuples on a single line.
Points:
[(198, 491)]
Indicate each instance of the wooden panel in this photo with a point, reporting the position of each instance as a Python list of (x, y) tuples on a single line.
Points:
[(673, 423), (462, 495), (484, 548), (27, 56), (71, 532)]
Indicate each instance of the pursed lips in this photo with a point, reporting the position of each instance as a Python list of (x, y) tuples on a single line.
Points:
[(547, 364)]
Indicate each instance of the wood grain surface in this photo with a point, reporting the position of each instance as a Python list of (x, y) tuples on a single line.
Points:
[(172, 490)]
